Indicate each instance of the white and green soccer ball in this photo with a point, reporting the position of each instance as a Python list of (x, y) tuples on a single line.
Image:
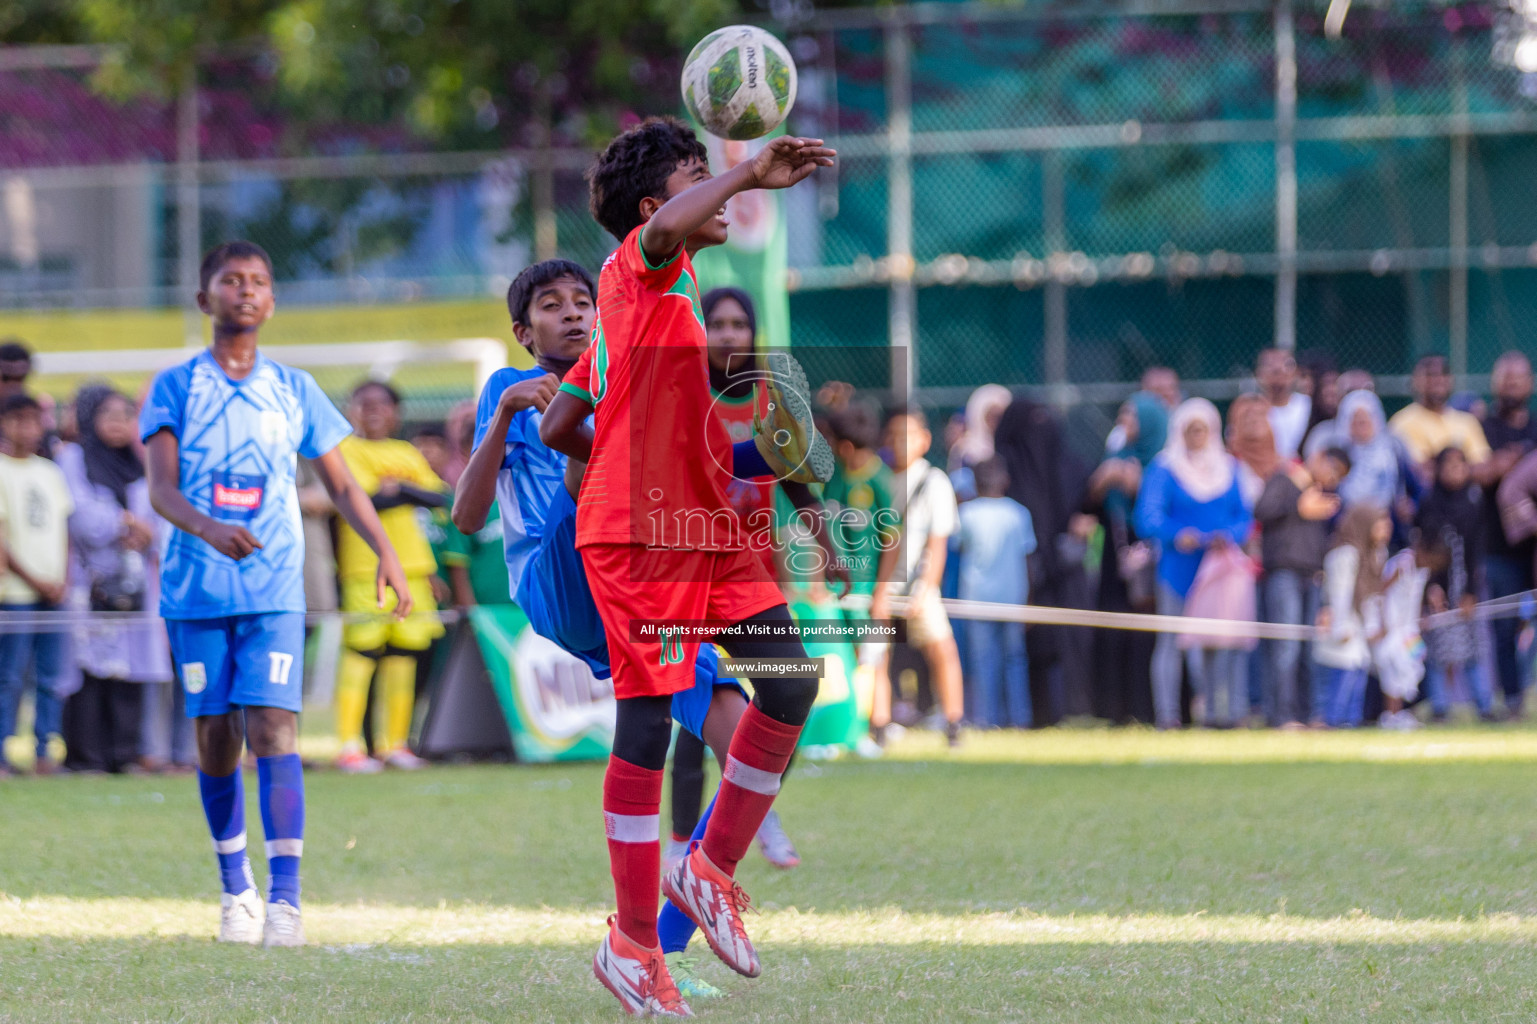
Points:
[(739, 82)]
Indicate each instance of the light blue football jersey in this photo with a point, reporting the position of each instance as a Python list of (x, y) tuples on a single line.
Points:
[(531, 471), (239, 440)]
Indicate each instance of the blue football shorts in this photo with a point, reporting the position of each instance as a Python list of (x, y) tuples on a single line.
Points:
[(239, 661), (554, 594)]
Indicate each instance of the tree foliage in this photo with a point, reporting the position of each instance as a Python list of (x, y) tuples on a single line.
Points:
[(462, 73)]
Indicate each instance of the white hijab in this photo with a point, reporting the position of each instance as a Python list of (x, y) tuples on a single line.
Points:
[(976, 444), (1207, 474)]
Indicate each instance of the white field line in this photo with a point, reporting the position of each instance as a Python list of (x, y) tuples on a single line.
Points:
[(469, 924)]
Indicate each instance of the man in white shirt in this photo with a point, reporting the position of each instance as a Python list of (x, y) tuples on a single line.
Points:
[(1276, 374), (35, 506), (916, 566)]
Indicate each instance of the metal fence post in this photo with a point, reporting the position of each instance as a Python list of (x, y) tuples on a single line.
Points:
[(1285, 178), (901, 300), (188, 214), (1457, 238), (1054, 223)]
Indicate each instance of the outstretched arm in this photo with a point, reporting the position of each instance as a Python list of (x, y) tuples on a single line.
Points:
[(564, 426), (357, 508), (780, 164)]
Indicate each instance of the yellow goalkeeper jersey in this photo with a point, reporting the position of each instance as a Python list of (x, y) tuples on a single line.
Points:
[(373, 463)]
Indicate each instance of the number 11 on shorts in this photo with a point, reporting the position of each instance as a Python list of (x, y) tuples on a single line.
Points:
[(281, 663)]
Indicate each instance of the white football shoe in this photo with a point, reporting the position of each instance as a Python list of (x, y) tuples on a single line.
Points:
[(284, 926), (240, 917)]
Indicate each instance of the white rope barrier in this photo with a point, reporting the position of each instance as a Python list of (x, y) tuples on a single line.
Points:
[(1515, 606), (1042, 615), (71, 619)]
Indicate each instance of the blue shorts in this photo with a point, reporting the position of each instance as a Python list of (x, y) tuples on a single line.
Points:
[(554, 594), (239, 661)]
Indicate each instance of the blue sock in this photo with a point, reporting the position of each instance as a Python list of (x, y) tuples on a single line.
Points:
[(224, 807), (747, 462), (281, 780), (673, 926)]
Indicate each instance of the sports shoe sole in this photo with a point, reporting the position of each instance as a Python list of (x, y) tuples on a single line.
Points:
[(788, 387)]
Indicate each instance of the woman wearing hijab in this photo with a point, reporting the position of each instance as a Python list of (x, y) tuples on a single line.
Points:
[(1190, 504), (983, 411), (1048, 479), (1121, 684), (113, 534), (1376, 474)]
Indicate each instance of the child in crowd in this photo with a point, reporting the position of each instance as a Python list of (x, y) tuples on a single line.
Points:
[(996, 536), (1351, 619), (35, 506), (859, 495), (398, 480), (1293, 513), (1450, 527), (1399, 655), (915, 566)]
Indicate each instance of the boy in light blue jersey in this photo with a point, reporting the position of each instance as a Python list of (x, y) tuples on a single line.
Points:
[(222, 432)]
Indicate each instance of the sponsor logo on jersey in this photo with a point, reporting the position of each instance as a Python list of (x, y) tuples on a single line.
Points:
[(237, 495)]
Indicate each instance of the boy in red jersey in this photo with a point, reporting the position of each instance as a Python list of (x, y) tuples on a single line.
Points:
[(661, 543)]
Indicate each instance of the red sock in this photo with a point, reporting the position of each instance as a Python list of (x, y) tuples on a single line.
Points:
[(760, 753), (632, 804)]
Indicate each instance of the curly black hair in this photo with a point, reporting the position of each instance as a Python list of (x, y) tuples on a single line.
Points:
[(635, 165)]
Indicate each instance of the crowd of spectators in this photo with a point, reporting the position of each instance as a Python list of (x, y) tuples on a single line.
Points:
[(1304, 506)]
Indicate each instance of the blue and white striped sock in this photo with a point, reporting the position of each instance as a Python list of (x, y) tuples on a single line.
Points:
[(281, 782), (224, 807)]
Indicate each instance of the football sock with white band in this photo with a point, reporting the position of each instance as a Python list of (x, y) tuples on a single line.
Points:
[(281, 782), (224, 807)]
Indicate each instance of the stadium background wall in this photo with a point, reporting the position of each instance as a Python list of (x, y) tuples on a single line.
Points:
[(1128, 201)]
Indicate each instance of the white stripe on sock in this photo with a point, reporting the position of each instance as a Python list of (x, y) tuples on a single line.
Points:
[(633, 828), (748, 777), (235, 845), (285, 848)]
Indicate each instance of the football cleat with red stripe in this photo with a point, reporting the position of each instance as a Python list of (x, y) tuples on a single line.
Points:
[(637, 977), (715, 902)]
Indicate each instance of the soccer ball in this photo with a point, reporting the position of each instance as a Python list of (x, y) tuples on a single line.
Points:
[(739, 82)]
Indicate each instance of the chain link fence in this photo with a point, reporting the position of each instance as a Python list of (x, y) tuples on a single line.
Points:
[(1037, 197)]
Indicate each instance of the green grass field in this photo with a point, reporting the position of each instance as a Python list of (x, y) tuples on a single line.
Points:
[(1061, 876)]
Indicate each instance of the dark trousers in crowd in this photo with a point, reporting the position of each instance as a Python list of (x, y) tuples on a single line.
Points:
[(1507, 576), (43, 655), (1290, 598), (102, 724)]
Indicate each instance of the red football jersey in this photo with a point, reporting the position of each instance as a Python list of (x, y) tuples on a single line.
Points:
[(661, 457), (753, 500)]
